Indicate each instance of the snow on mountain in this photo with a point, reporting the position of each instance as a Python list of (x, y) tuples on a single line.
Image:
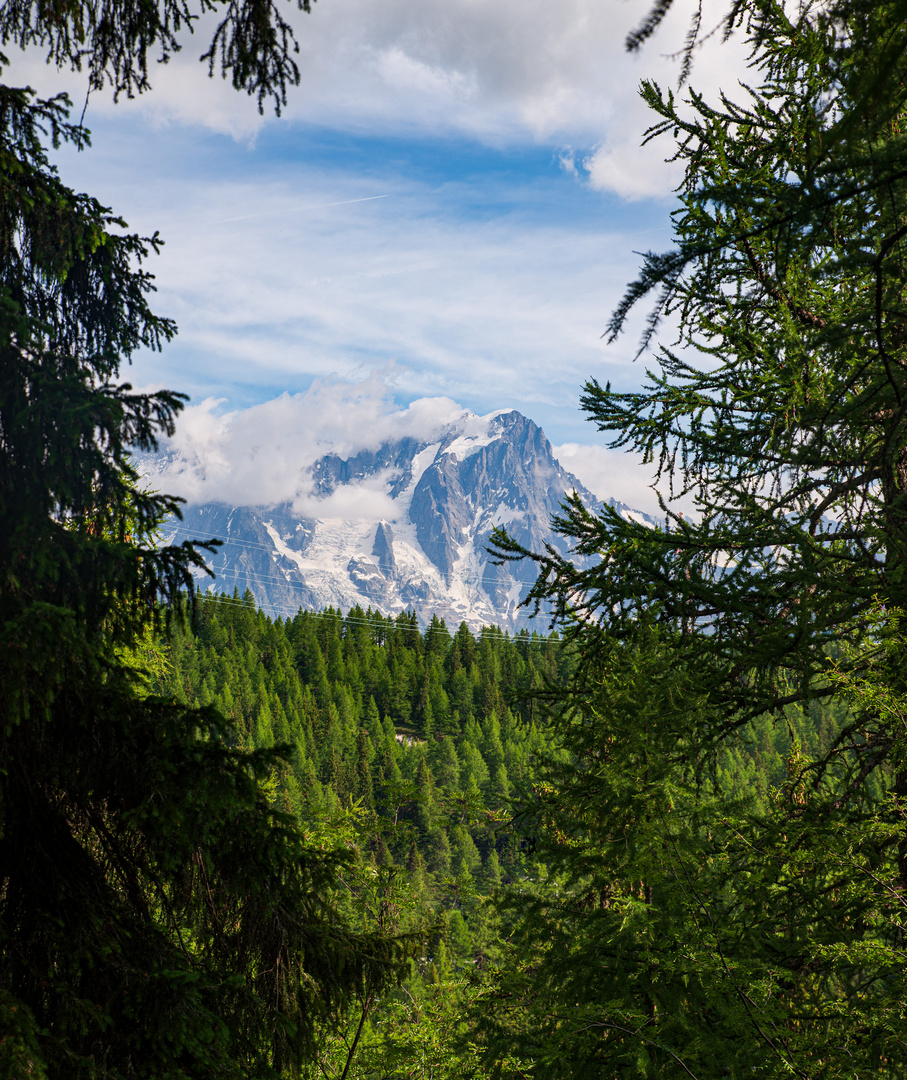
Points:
[(428, 553)]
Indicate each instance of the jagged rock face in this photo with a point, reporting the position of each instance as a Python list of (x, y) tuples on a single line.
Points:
[(431, 557), (331, 471), (383, 550)]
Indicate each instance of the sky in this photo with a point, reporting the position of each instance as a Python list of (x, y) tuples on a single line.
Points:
[(442, 219)]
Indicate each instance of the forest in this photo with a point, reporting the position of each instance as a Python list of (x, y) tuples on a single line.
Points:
[(663, 836), (417, 754)]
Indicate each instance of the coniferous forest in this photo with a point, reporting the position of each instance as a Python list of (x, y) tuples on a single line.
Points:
[(664, 836), (417, 755)]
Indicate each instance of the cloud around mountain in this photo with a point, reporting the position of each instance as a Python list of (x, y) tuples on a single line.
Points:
[(262, 455)]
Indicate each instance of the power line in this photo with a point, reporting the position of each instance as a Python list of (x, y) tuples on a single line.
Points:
[(246, 576), (346, 620), (274, 551)]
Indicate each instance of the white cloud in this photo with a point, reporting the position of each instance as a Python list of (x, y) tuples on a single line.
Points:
[(262, 455), (631, 171), (503, 71), (367, 500), (612, 474), (298, 276), (293, 276)]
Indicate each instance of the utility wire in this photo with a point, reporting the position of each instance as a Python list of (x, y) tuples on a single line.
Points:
[(273, 550), (346, 620)]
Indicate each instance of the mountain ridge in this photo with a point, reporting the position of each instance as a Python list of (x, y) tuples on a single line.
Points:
[(426, 554)]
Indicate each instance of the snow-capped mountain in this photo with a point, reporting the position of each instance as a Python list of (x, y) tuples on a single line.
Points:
[(428, 553)]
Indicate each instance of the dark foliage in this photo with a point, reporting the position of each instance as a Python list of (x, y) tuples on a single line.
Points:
[(158, 916), (740, 938), (253, 44)]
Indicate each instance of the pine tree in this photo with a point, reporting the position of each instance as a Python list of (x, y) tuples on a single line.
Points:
[(445, 765), (362, 788)]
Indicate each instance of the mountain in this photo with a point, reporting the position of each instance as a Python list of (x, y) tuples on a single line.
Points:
[(428, 553)]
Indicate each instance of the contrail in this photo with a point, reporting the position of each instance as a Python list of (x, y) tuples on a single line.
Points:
[(295, 210)]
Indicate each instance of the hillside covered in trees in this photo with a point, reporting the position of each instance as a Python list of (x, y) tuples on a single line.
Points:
[(363, 701), (420, 754), (429, 728)]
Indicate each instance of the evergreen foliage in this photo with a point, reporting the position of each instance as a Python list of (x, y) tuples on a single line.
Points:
[(758, 935), (436, 842), (220, 840), (426, 835), (160, 916), (356, 736)]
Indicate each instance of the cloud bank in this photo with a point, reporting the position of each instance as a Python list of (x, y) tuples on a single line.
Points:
[(263, 455), (513, 70), (484, 294)]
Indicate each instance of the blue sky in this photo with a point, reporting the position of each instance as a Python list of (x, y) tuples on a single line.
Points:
[(447, 211)]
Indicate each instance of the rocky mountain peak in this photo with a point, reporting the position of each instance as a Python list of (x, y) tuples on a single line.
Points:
[(430, 554)]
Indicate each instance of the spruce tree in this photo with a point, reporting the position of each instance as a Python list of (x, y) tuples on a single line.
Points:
[(159, 916)]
